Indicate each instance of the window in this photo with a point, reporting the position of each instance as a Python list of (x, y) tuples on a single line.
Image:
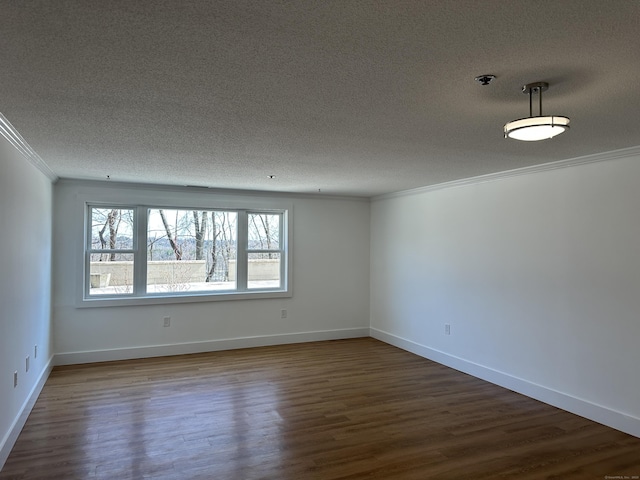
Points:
[(264, 255), (112, 251), (191, 251), (140, 252)]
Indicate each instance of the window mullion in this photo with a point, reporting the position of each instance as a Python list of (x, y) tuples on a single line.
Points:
[(242, 261), (285, 237), (140, 255), (107, 251), (86, 284)]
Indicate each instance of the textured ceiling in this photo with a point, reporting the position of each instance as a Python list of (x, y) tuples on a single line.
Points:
[(350, 97)]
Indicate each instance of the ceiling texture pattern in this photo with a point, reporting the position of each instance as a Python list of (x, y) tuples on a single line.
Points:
[(352, 97)]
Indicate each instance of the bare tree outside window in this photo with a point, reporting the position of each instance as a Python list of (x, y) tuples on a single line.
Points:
[(264, 232), (111, 250), (203, 239), (177, 250), (110, 220)]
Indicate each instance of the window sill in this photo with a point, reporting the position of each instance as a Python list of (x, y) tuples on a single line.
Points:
[(167, 299)]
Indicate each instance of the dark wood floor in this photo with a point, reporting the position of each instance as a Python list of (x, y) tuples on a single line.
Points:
[(347, 409)]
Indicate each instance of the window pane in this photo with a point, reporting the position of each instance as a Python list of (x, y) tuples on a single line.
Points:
[(263, 270), (111, 229), (264, 231), (191, 250), (111, 274)]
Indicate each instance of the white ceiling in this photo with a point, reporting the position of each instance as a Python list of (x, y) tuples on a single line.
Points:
[(353, 97)]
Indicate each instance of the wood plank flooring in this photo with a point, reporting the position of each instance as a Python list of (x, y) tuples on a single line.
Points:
[(346, 409)]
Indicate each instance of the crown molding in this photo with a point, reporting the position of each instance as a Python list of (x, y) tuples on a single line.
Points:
[(202, 190), (12, 135), (491, 177)]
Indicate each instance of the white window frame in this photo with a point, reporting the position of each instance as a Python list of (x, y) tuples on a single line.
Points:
[(245, 250), (139, 296)]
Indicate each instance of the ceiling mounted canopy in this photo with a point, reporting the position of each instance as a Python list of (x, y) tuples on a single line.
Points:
[(531, 129)]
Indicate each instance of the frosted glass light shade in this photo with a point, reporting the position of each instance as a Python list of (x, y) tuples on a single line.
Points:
[(532, 129)]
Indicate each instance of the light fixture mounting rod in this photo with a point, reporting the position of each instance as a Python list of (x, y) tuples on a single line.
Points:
[(538, 87)]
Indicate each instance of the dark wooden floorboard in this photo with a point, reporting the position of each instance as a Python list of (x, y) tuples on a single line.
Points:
[(346, 409)]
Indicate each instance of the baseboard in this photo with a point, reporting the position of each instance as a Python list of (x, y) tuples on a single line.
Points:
[(597, 413), (72, 358), (10, 438)]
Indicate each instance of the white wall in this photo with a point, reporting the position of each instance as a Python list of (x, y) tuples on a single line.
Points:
[(25, 289), (538, 276), (330, 299)]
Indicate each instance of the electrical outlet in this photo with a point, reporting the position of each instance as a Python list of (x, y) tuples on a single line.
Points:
[(447, 329), (15, 379), (167, 321), (283, 313), (26, 364)]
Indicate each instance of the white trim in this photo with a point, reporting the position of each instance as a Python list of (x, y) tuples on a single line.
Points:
[(10, 438), (12, 135), (72, 358), (571, 162), (193, 189), (584, 408), (139, 296)]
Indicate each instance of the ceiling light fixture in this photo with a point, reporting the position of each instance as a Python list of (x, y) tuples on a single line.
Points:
[(532, 129)]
